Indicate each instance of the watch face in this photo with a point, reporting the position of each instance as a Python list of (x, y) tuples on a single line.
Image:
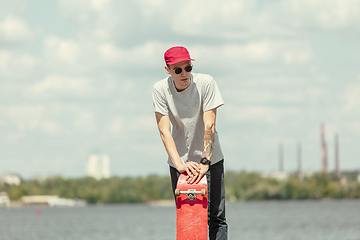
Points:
[(205, 161)]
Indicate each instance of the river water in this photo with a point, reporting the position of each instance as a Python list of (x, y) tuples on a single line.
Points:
[(264, 220)]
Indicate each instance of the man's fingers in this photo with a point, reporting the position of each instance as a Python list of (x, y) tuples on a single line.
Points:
[(195, 166), (193, 178), (199, 178), (193, 170), (188, 172), (190, 175)]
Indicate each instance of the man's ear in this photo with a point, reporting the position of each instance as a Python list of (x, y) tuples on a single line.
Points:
[(167, 70)]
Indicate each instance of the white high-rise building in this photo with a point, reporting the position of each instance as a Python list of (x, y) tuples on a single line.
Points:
[(98, 166)]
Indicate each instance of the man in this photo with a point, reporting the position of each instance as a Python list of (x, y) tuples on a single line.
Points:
[(189, 101)]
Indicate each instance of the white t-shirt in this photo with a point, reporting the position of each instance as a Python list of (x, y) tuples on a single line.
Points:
[(185, 110)]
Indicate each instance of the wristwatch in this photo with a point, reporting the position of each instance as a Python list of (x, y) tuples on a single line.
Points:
[(204, 160)]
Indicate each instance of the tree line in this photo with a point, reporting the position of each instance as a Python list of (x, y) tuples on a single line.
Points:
[(240, 186), (252, 186)]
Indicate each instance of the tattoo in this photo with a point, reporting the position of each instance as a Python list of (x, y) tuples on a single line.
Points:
[(209, 136)]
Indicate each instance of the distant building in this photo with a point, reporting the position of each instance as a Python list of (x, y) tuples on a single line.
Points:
[(37, 199), (98, 166), (278, 175), (4, 199), (309, 173), (51, 200), (10, 179), (343, 180)]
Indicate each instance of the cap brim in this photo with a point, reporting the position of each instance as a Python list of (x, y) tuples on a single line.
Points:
[(180, 60)]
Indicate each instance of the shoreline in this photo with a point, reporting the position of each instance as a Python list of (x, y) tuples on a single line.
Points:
[(170, 203)]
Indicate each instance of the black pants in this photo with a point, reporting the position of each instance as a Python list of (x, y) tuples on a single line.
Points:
[(218, 229)]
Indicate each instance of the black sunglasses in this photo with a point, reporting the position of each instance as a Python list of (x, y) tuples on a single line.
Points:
[(187, 69)]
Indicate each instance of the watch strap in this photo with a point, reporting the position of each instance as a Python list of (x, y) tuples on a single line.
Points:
[(204, 160)]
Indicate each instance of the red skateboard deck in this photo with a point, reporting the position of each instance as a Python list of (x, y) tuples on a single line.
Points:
[(191, 209)]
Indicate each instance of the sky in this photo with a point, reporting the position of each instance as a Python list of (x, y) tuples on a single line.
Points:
[(76, 79)]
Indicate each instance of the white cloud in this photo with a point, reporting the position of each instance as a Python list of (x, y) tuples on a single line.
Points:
[(99, 19), (351, 98), (14, 65), (274, 81), (314, 93), (99, 4), (110, 52), (236, 113), (146, 53), (139, 123), (144, 122), (115, 125), (220, 19), (10, 88), (54, 85), (249, 96), (64, 51), (77, 55), (24, 116), (14, 29), (291, 57), (13, 137), (295, 96), (258, 113), (232, 19), (48, 118), (314, 15), (151, 8), (78, 10), (351, 106), (290, 52), (150, 150), (51, 127), (83, 55), (355, 126), (85, 121)]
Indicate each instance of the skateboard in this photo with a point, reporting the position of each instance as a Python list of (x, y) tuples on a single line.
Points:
[(191, 209)]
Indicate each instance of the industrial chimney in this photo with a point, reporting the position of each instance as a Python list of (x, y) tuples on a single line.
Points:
[(323, 149), (281, 157), (337, 154), (299, 158)]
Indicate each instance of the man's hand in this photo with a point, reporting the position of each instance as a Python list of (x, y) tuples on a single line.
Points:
[(191, 168), (203, 169)]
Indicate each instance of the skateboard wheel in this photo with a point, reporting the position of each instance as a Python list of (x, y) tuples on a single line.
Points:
[(203, 192), (177, 192)]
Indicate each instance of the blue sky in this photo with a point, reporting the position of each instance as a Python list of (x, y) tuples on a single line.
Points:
[(76, 79)]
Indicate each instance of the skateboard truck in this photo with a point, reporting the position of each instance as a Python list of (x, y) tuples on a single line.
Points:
[(190, 193)]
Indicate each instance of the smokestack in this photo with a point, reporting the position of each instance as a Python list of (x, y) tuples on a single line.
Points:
[(337, 154), (299, 157), (323, 149), (281, 157)]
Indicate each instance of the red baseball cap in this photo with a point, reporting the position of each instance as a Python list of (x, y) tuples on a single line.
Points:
[(176, 54)]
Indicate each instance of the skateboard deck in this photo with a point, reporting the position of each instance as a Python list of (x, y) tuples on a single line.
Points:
[(191, 209)]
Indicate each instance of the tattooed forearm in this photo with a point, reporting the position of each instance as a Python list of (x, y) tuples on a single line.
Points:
[(209, 136)]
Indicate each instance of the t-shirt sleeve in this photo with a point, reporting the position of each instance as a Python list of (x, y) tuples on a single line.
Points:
[(159, 101), (212, 97)]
